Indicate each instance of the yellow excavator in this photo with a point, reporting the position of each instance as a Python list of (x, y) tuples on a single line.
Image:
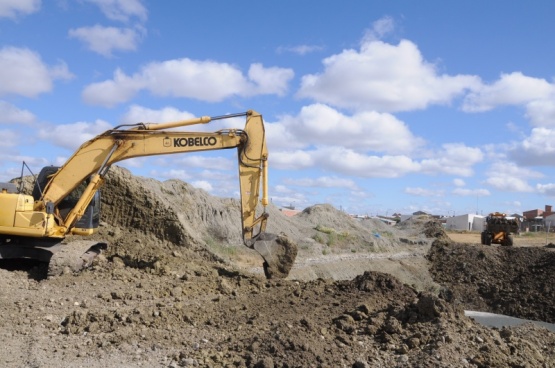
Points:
[(66, 200)]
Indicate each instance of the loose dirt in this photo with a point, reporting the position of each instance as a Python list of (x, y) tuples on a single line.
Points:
[(177, 288)]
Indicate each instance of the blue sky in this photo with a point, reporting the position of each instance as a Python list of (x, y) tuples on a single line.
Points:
[(375, 107)]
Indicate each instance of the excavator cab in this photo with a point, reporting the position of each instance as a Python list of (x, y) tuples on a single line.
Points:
[(90, 220)]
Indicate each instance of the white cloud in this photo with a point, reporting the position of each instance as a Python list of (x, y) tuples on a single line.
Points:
[(290, 160), (71, 136), (112, 92), (106, 40), (9, 138), (509, 184), (510, 89), (422, 192), (459, 182), (10, 114), (454, 159), (324, 182), (464, 192), (185, 78), (507, 176), (198, 161), (203, 184), (300, 49), (141, 114), (349, 162), (547, 189), (23, 73), (12, 164), (15, 8), (383, 77), (121, 10), (283, 189), (269, 80), (319, 124), (536, 149), (379, 29), (541, 112)]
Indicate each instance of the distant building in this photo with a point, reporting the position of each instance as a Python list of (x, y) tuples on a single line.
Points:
[(536, 220), (467, 222), (532, 214), (289, 212)]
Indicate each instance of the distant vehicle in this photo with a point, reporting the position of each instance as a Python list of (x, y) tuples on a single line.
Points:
[(499, 229)]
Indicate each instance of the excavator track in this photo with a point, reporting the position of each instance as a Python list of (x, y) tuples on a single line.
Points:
[(73, 256)]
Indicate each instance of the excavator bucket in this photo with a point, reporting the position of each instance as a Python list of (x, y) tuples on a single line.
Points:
[(279, 254)]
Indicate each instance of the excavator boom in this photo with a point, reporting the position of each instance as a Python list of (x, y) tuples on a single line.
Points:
[(41, 218)]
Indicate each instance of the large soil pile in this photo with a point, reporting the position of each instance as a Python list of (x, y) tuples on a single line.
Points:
[(504, 280), (172, 291)]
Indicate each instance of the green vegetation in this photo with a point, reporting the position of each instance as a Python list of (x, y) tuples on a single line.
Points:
[(220, 249), (324, 229), (332, 237)]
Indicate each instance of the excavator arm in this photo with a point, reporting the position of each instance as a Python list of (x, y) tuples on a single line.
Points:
[(93, 159)]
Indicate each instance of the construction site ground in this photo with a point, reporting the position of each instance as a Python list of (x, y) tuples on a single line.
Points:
[(176, 288)]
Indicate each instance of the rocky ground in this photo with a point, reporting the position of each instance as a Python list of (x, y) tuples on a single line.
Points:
[(177, 288)]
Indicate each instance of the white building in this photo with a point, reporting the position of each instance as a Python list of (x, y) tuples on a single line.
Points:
[(467, 222)]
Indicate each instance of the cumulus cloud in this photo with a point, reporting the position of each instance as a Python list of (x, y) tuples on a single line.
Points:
[(9, 138), (346, 161), (380, 28), (10, 114), (366, 144), (205, 162), (203, 184), (16, 8), (465, 192), (536, 149), (383, 77), (141, 114), (319, 124), (106, 40), (547, 189), (454, 159), (423, 192), (541, 112), (185, 78), (324, 182), (300, 49), (507, 176), (122, 10), (287, 160), (510, 89), (71, 136), (23, 73)]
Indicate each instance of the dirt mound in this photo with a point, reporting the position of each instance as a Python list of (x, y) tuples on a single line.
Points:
[(506, 280), (424, 225), (341, 232), (115, 315), (163, 297)]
